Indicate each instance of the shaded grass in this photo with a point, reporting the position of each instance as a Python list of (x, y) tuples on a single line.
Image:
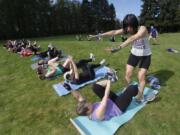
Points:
[(30, 106)]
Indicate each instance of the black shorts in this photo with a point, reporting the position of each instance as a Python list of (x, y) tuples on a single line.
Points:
[(143, 61)]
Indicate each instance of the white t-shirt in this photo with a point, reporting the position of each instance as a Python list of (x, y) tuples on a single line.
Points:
[(141, 47)]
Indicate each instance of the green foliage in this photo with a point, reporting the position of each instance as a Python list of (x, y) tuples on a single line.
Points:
[(34, 18), (162, 13)]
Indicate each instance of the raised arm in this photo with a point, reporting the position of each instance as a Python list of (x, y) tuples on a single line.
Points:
[(102, 107), (109, 33), (51, 73), (141, 33)]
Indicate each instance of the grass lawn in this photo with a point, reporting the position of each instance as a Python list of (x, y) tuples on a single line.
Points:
[(29, 106)]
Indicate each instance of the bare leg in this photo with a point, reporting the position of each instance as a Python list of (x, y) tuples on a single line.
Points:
[(67, 63), (129, 71), (141, 77), (52, 61), (102, 83), (73, 69)]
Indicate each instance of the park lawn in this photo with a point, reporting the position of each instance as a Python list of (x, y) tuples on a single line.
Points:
[(29, 106)]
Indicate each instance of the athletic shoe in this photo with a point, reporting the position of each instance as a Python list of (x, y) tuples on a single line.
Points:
[(150, 97), (112, 75), (139, 101), (67, 86), (92, 57), (147, 98), (115, 75), (103, 62)]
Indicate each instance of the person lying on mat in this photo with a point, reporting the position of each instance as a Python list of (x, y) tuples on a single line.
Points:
[(88, 71), (54, 68), (111, 105)]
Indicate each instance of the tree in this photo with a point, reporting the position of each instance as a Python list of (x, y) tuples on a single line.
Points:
[(166, 18), (150, 12), (86, 16), (25, 18), (163, 13)]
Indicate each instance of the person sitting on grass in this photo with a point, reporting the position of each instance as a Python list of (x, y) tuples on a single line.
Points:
[(34, 47), (111, 105), (78, 37), (51, 52)]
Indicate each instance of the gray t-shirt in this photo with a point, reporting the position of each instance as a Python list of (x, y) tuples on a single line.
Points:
[(141, 47)]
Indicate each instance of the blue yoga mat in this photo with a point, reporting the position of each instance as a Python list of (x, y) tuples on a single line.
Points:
[(61, 90), (36, 58), (89, 127)]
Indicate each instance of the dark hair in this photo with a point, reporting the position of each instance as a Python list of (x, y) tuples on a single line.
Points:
[(40, 72), (82, 108), (132, 21)]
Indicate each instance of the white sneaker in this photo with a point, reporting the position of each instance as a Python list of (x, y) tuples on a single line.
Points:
[(150, 97), (103, 62), (92, 57), (139, 101), (112, 75), (147, 98), (115, 75)]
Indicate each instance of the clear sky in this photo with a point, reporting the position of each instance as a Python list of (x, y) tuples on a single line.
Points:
[(124, 7)]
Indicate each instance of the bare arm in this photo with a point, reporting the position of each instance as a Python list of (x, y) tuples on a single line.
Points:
[(102, 107), (74, 70), (51, 73), (141, 33), (109, 33), (78, 96)]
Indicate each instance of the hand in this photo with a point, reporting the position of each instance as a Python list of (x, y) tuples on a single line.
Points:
[(112, 50)]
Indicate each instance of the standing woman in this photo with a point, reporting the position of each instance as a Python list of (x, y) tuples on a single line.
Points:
[(140, 52)]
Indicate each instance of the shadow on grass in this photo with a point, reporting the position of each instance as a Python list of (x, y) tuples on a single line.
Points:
[(163, 75)]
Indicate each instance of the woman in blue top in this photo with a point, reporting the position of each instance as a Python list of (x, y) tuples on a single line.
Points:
[(110, 105), (140, 52), (153, 34)]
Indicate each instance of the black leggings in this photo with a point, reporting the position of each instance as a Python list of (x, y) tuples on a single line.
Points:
[(88, 72), (123, 100)]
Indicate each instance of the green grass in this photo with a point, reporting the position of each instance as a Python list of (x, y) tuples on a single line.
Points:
[(29, 106)]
